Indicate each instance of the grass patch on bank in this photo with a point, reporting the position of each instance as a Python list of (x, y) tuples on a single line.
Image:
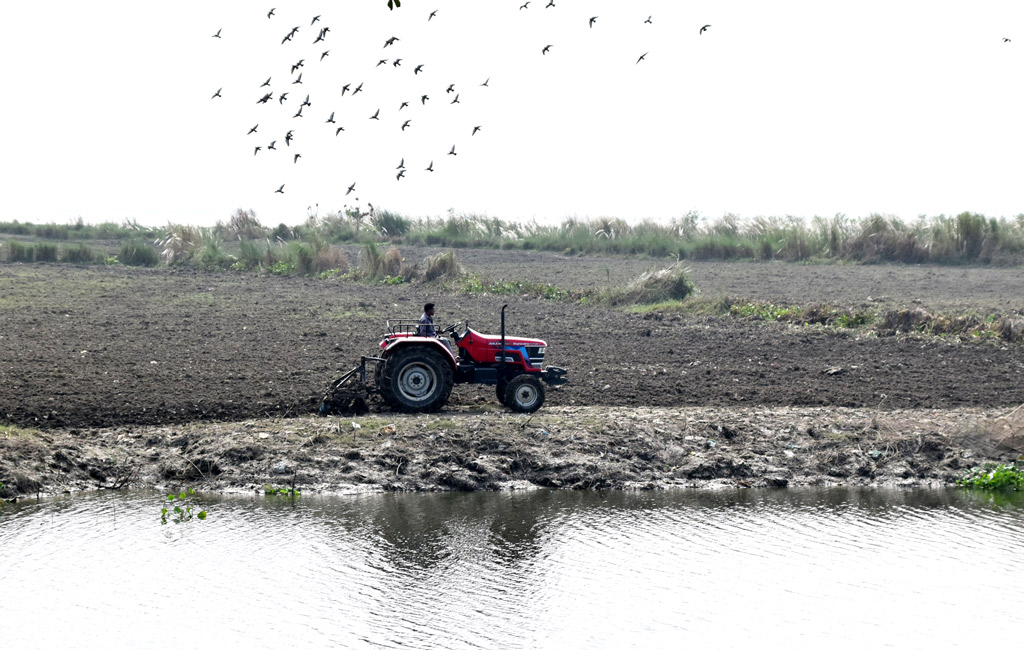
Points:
[(1007, 477)]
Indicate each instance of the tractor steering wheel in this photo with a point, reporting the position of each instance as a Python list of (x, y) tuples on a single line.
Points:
[(452, 329)]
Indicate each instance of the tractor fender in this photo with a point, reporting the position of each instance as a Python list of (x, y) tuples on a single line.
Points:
[(422, 341)]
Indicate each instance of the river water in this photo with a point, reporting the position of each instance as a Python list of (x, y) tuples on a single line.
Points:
[(797, 568)]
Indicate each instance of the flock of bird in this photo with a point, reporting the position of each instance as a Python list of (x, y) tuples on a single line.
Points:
[(281, 93)]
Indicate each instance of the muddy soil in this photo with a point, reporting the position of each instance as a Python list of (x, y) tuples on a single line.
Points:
[(96, 349)]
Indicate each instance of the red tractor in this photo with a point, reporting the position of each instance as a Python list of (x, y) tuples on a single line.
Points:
[(415, 374)]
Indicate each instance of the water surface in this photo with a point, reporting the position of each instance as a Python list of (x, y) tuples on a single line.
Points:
[(797, 568)]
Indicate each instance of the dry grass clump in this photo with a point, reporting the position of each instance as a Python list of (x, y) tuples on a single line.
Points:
[(376, 266), (331, 258), (243, 224), (442, 266), (180, 243), (672, 283)]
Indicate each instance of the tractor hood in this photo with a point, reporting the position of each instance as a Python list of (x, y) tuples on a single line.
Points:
[(475, 339)]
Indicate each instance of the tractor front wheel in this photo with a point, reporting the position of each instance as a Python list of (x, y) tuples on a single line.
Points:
[(524, 394), (416, 380)]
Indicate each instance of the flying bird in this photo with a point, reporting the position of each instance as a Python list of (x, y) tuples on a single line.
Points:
[(486, 82), (525, 5), (380, 63), (282, 98), (288, 137), (397, 62), (297, 65), (430, 167), (401, 164), (452, 152), (344, 89), (299, 113), (358, 88), (702, 29), (298, 79), (400, 174), (305, 102), (271, 146), (403, 105), (315, 18), (593, 20), (405, 124), (351, 188), (1006, 40), (264, 99), (432, 14), (551, 3), (296, 158), (256, 151), (642, 57), (217, 94), (266, 83), (456, 100), (269, 14), (252, 130), (545, 50), (330, 120), (376, 116), (424, 99), (417, 69), (217, 35), (326, 52), (279, 190), (451, 87), (475, 129), (338, 130), (390, 41)]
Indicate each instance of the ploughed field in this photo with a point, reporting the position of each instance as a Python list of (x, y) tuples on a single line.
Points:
[(107, 346)]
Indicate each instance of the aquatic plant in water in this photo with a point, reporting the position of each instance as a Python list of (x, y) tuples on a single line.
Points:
[(990, 476), (182, 511)]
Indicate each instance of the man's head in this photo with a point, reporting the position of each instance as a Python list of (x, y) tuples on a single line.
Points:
[(428, 309)]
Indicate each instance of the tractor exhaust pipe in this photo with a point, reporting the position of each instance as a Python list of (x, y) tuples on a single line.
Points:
[(502, 364)]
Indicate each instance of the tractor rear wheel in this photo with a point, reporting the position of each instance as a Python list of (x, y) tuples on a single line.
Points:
[(524, 394), (416, 380)]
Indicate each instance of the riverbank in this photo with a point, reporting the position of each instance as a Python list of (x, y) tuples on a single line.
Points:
[(487, 448)]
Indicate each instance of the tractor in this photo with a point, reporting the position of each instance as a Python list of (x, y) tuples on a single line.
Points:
[(415, 374)]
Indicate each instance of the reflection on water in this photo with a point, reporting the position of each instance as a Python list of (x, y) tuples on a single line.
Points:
[(786, 568)]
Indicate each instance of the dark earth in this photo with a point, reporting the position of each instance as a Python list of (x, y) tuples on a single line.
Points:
[(86, 349)]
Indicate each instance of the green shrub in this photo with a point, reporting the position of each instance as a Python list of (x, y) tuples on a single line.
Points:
[(995, 477), (137, 253), (18, 252), (46, 253), (80, 254)]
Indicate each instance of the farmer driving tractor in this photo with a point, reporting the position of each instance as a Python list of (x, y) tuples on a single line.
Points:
[(426, 323)]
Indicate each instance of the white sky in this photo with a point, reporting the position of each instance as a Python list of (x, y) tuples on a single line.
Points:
[(780, 108)]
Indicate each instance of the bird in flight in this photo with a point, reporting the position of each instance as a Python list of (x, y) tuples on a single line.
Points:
[(452, 152), (401, 164), (642, 57), (256, 151), (358, 88), (288, 137), (430, 167), (432, 14), (486, 82), (424, 99), (351, 188), (551, 3), (217, 35), (296, 158), (315, 18), (376, 116), (593, 20), (252, 130), (648, 21), (330, 120), (451, 87), (475, 129), (417, 69), (400, 174), (545, 50), (1006, 40), (326, 52), (456, 100), (390, 41), (298, 79), (217, 94), (344, 89), (299, 114), (266, 83), (338, 130), (397, 62), (297, 65), (380, 63), (403, 105), (271, 146), (405, 124), (269, 14), (702, 29), (279, 190), (305, 102), (264, 99), (284, 96), (525, 5)]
